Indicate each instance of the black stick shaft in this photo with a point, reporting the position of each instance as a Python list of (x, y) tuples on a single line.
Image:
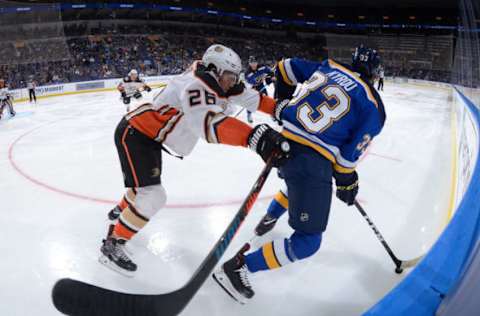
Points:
[(398, 263), (204, 270), (77, 298)]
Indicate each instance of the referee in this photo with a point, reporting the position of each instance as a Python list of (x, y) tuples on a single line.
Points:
[(381, 76), (31, 85)]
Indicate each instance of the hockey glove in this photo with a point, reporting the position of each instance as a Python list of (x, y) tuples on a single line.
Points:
[(147, 88), (137, 95), (237, 89), (268, 80), (126, 100), (269, 143), (347, 186)]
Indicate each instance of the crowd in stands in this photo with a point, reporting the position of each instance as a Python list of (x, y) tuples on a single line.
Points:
[(81, 53)]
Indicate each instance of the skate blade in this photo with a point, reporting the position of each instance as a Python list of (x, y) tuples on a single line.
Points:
[(112, 266), (221, 278)]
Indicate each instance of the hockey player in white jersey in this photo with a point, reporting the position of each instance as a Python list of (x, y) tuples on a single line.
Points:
[(6, 99), (193, 105), (132, 86)]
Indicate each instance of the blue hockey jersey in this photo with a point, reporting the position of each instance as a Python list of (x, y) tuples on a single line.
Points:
[(333, 111), (256, 77)]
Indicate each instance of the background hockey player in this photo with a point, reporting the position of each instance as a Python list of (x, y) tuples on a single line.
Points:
[(366, 56), (132, 86), (329, 123), (258, 76), (193, 105), (6, 99)]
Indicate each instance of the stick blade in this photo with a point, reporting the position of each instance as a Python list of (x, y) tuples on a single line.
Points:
[(77, 298), (412, 262)]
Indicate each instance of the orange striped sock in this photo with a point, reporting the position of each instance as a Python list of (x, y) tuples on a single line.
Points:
[(122, 231)]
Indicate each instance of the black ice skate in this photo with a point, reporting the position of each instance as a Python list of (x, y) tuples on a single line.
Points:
[(249, 117), (266, 224), (114, 213), (233, 277), (111, 227), (114, 257)]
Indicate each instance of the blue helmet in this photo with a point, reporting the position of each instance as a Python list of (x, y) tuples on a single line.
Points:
[(365, 61)]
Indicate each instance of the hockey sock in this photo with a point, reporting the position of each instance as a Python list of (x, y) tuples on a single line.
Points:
[(129, 223), (278, 205), (128, 198), (278, 253)]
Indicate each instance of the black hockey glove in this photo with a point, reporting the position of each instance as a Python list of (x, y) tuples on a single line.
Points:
[(126, 100), (268, 80), (347, 186), (137, 95), (269, 143), (237, 89), (147, 88)]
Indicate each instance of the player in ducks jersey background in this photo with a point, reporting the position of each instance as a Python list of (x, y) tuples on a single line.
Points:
[(193, 105), (132, 87)]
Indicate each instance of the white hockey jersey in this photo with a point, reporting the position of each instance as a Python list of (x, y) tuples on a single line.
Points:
[(189, 107), (131, 86)]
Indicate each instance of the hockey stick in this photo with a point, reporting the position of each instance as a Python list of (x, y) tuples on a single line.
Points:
[(77, 298), (399, 264)]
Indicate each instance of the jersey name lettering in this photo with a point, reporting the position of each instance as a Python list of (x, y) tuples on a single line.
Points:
[(342, 80)]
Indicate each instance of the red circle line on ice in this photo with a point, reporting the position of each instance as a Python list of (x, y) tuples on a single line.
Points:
[(52, 188)]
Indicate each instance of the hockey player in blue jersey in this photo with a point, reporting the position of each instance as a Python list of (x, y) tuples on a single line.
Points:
[(258, 76), (364, 56), (329, 121)]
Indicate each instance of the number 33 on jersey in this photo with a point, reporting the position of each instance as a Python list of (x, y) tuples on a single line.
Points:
[(333, 111)]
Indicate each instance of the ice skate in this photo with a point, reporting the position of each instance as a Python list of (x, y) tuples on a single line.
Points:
[(249, 117), (114, 214), (233, 278), (266, 224), (114, 257)]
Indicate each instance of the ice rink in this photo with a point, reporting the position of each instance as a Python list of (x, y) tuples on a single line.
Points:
[(60, 175)]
